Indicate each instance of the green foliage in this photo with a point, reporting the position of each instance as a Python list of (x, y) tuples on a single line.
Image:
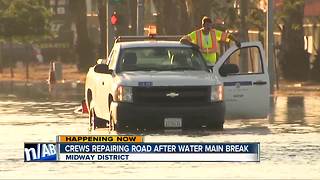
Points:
[(227, 11), (256, 18), (23, 20), (183, 16)]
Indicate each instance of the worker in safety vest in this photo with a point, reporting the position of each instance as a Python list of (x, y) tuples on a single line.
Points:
[(206, 39)]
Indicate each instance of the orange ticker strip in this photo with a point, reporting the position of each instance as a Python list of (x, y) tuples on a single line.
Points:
[(91, 139)]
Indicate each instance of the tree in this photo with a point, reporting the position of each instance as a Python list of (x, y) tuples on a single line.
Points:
[(84, 46), (257, 18), (172, 18), (198, 9), (23, 21), (239, 14), (293, 58), (226, 12)]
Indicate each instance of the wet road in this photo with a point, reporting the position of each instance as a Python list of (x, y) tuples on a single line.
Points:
[(290, 139)]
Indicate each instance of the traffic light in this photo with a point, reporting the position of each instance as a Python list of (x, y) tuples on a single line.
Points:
[(114, 19)]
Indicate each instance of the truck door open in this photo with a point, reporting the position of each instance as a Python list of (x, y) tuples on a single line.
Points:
[(244, 74)]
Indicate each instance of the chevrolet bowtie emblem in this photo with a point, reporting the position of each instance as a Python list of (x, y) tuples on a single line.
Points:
[(172, 94)]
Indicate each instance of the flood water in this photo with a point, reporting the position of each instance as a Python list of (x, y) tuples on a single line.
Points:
[(290, 139)]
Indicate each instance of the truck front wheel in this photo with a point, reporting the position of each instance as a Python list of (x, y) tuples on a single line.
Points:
[(95, 122), (216, 125)]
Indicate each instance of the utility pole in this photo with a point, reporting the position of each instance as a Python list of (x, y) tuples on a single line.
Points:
[(109, 28), (270, 45), (140, 13), (244, 34), (102, 15), (1, 64)]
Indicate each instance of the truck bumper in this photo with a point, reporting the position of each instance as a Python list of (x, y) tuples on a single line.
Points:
[(154, 116)]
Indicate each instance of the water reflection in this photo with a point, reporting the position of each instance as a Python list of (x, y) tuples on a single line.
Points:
[(28, 113), (287, 113), (272, 107), (42, 91), (295, 114), (295, 110)]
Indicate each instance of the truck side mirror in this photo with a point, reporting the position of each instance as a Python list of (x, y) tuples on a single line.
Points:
[(102, 68), (210, 66), (228, 69)]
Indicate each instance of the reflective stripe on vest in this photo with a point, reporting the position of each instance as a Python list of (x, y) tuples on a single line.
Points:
[(214, 46), (214, 43), (199, 39)]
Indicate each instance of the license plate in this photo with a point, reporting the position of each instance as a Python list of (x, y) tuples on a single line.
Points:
[(172, 122)]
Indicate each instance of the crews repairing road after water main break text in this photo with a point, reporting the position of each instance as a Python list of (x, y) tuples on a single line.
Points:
[(198, 148)]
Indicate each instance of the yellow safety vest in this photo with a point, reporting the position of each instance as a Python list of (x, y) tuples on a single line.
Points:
[(210, 47)]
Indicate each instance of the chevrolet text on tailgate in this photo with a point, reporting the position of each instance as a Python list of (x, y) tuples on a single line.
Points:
[(155, 84)]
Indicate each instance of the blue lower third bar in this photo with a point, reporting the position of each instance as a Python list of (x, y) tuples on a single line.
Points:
[(159, 152)]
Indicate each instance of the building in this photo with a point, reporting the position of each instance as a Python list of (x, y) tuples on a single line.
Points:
[(61, 45)]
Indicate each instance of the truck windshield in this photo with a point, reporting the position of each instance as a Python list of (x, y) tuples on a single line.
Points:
[(161, 59)]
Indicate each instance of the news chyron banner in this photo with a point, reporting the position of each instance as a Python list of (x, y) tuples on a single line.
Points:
[(41, 151), (133, 149)]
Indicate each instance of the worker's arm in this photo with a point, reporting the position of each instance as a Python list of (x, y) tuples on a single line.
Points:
[(186, 40), (232, 38), (226, 37)]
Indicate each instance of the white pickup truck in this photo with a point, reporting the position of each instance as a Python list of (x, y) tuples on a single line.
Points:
[(155, 84)]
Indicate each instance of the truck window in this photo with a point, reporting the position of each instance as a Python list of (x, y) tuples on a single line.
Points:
[(113, 59), (247, 59), (161, 59)]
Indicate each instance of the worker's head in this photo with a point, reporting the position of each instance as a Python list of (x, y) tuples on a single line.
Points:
[(206, 23)]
